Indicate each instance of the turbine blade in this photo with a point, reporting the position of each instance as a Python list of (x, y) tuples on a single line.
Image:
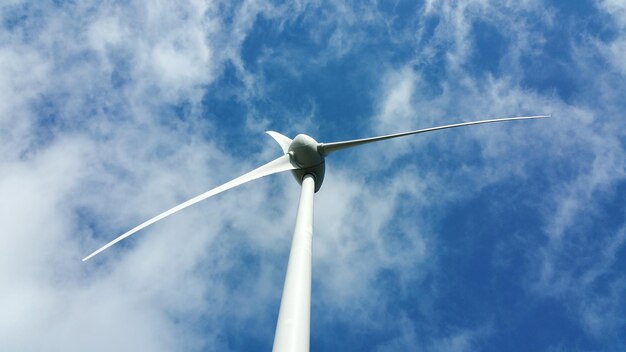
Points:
[(278, 165), (282, 140), (327, 148)]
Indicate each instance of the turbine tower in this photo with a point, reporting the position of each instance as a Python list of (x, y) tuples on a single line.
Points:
[(305, 157)]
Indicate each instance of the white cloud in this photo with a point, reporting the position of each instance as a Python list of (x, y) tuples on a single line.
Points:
[(614, 49), (114, 156), (581, 136), (22, 79), (616, 9), (68, 190)]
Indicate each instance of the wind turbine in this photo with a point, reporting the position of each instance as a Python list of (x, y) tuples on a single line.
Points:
[(305, 157)]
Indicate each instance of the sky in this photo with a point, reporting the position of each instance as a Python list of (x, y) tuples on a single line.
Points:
[(500, 237)]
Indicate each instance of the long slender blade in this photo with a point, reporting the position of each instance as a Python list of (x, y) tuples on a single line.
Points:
[(327, 148), (278, 165)]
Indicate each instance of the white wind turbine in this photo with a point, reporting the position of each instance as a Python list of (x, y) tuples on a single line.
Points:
[(305, 158)]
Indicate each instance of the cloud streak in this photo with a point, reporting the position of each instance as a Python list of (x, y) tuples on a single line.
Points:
[(111, 113)]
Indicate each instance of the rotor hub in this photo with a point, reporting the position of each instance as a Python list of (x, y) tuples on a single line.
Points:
[(305, 155)]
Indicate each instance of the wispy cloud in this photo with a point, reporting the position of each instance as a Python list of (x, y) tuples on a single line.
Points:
[(110, 113)]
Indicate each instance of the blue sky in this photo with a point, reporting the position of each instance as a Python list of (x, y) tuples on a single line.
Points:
[(504, 237)]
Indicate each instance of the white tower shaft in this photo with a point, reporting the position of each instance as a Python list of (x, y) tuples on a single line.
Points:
[(294, 316)]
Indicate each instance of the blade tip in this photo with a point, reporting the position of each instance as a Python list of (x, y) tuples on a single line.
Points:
[(89, 256)]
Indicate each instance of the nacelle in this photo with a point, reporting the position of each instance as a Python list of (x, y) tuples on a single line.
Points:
[(304, 153)]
